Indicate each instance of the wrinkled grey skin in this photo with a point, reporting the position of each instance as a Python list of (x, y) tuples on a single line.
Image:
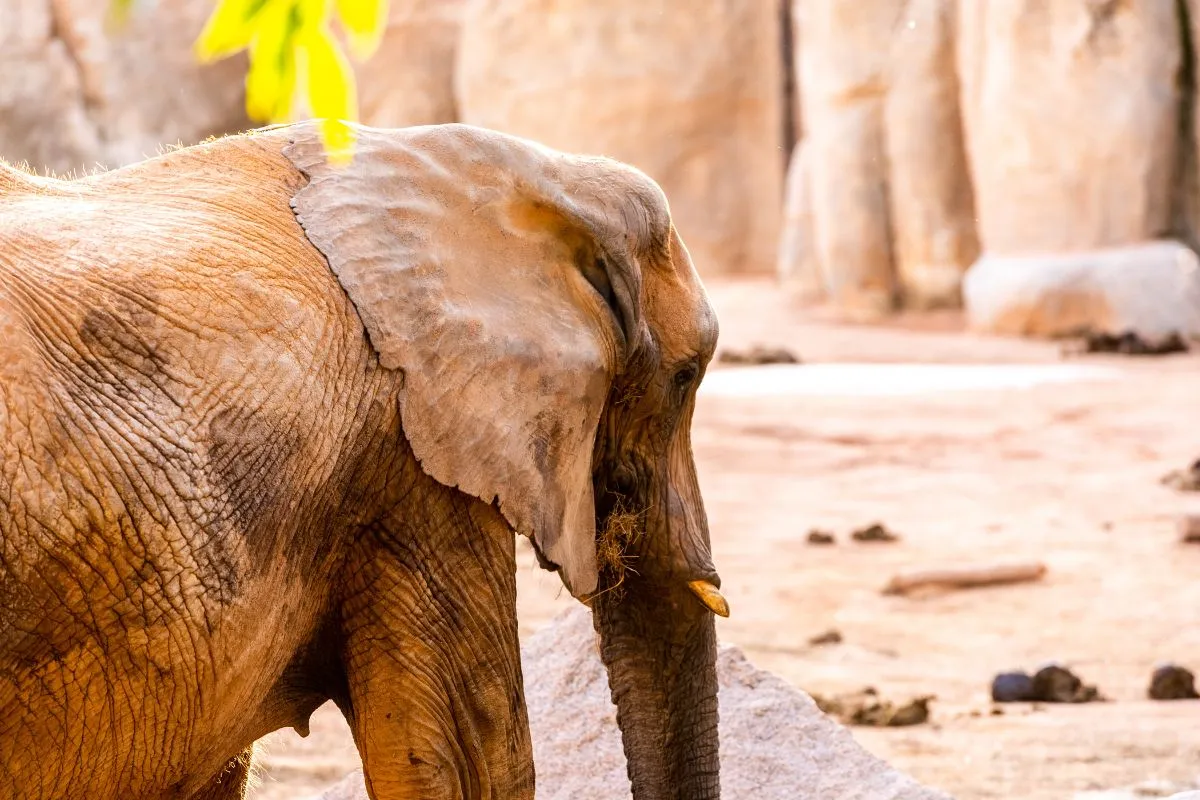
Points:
[(228, 495)]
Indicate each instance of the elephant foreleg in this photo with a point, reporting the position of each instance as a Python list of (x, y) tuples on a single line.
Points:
[(232, 781), (432, 661)]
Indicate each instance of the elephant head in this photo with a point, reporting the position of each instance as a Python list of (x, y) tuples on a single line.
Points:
[(551, 331)]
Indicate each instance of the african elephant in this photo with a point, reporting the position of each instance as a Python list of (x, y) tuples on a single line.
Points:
[(268, 424)]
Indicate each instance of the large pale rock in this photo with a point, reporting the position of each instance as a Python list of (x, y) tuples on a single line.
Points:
[(409, 80), (1152, 289), (74, 93), (1070, 109), (691, 93), (844, 53), (775, 743), (929, 187)]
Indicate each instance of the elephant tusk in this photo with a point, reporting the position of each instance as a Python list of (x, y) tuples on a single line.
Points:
[(710, 596)]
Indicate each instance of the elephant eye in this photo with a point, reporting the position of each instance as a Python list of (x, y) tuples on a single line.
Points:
[(685, 375)]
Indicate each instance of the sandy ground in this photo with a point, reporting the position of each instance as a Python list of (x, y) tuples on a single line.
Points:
[(1066, 473)]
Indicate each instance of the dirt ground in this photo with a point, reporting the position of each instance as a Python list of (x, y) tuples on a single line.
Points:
[(1063, 472)]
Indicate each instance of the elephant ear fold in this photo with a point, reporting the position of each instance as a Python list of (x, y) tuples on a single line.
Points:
[(501, 277)]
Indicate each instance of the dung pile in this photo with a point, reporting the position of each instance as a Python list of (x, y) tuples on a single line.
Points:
[(775, 743)]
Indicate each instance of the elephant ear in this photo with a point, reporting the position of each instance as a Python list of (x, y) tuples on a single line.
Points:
[(502, 278)]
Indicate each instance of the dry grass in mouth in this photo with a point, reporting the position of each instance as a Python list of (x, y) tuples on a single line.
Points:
[(621, 529)]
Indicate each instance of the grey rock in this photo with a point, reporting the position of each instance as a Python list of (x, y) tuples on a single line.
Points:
[(775, 743), (1057, 163)]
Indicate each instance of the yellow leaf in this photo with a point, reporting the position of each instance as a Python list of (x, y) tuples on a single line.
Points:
[(230, 28), (287, 88), (331, 93), (364, 22), (338, 137), (271, 79), (119, 12), (312, 13)]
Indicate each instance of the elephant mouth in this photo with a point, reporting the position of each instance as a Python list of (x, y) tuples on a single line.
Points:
[(617, 534)]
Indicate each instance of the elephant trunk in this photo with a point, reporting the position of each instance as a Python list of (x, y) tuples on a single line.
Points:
[(659, 645)]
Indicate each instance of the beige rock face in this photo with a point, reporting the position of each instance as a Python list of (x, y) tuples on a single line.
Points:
[(799, 270), (929, 186), (844, 53), (1152, 289), (691, 93), (73, 93), (409, 80), (1186, 220), (1070, 110), (798, 264), (775, 743)]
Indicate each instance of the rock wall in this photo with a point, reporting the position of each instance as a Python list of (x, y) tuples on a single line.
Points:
[(888, 191), (74, 94), (842, 89), (799, 268), (930, 194), (923, 136), (947, 135), (690, 93), (1071, 112), (409, 80)]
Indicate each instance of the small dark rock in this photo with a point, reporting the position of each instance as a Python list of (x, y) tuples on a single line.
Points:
[(758, 354), (1057, 684), (1172, 682), (821, 537), (914, 712), (997, 711), (1012, 687), (1189, 528), (831, 636), (1131, 343), (874, 533), (867, 708), (1183, 480)]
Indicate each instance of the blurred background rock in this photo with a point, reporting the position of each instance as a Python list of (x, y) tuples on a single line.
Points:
[(1035, 159)]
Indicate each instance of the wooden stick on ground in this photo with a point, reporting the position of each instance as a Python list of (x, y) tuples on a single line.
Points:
[(965, 577)]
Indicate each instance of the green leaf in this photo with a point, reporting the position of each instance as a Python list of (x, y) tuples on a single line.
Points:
[(364, 22)]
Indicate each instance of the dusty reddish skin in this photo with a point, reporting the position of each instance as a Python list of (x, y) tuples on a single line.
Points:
[(212, 519)]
